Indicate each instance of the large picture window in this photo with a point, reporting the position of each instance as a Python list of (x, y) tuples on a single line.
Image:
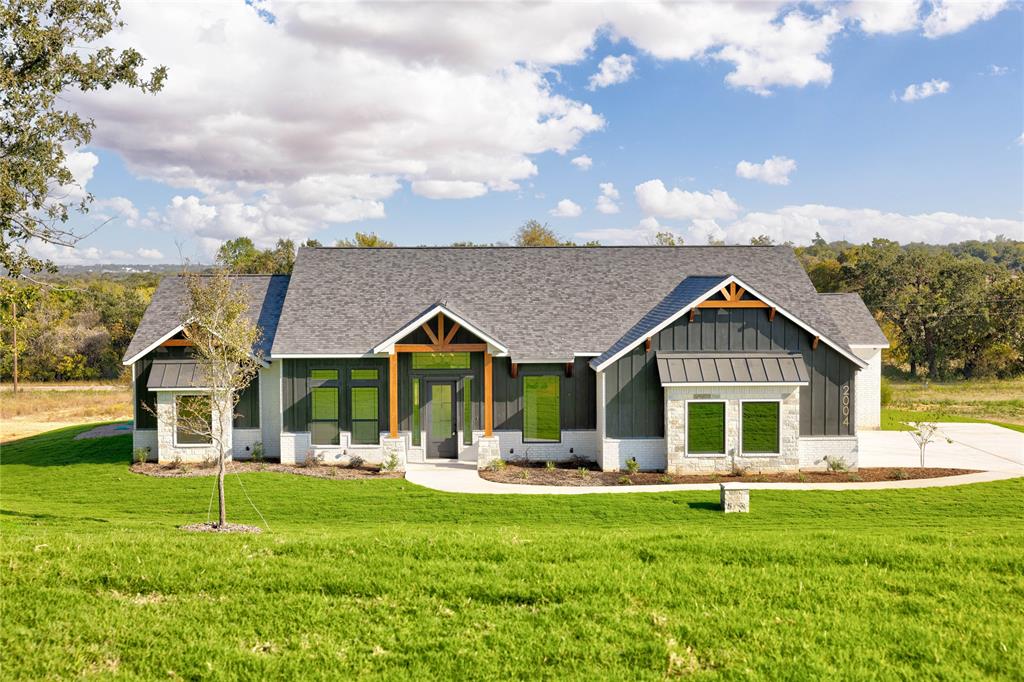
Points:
[(760, 427), (323, 426), (705, 428), (364, 415), (193, 420), (440, 360), (541, 410)]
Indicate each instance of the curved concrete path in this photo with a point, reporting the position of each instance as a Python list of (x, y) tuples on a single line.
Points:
[(996, 452)]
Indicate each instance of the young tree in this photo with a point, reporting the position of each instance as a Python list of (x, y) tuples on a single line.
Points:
[(924, 433), (533, 233), (44, 52), (366, 240), (223, 343), (666, 238)]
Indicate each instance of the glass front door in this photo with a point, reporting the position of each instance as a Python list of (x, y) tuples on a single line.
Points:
[(441, 420)]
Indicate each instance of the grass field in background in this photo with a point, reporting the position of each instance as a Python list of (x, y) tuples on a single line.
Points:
[(386, 579), (992, 401), (42, 407)]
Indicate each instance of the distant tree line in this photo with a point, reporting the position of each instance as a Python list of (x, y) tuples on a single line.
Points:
[(952, 310)]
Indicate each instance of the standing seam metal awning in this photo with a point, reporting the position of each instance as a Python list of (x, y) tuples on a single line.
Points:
[(731, 368), (170, 374)]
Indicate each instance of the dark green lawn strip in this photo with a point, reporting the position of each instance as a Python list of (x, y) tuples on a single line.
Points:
[(896, 420), (385, 579)]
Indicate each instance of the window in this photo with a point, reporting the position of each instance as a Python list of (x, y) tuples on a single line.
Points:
[(705, 428), (467, 411), (416, 426), (323, 426), (364, 415), (440, 360), (364, 374), (193, 420), (541, 415), (760, 427)]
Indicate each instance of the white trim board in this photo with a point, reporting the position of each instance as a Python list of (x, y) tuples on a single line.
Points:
[(135, 358), (703, 297), (697, 384)]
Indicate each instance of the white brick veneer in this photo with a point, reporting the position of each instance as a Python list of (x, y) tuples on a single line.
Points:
[(295, 445), (814, 449), (242, 441), (681, 462), (867, 391), (649, 453), (145, 438), (582, 443)]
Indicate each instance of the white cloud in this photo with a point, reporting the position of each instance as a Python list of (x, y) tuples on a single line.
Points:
[(654, 199), (774, 171), (149, 254), (612, 70), (996, 70), (916, 91), (1020, 140), (643, 233), (91, 255), (606, 201), (583, 162), (953, 16), (567, 208), (891, 16), (449, 189)]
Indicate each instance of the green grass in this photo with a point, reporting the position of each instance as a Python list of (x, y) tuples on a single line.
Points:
[(384, 579), (896, 420)]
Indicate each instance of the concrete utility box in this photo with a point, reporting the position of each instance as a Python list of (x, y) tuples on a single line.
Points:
[(735, 498)]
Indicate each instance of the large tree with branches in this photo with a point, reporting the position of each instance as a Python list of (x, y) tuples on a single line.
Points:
[(48, 48)]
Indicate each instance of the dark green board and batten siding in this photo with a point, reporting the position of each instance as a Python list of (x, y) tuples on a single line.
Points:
[(577, 398), (295, 389), (635, 400)]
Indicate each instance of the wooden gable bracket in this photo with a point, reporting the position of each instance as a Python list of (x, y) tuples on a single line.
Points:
[(176, 342), (451, 334), (814, 344), (430, 334), (771, 314), (692, 311), (514, 371), (732, 297), (647, 345)]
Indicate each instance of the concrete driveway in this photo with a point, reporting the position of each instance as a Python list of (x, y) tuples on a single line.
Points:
[(975, 446)]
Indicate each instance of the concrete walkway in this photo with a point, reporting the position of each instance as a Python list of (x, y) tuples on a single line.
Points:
[(997, 452)]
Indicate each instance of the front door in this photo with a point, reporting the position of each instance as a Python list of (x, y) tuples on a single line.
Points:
[(440, 415)]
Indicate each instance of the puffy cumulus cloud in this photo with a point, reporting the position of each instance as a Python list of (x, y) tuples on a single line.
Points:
[(612, 70), (449, 189), (117, 209), (567, 208), (917, 91), (774, 171), (91, 255), (606, 201), (583, 162), (656, 200), (644, 233), (892, 16), (953, 16)]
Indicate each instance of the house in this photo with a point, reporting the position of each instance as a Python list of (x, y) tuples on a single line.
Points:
[(688, 359)]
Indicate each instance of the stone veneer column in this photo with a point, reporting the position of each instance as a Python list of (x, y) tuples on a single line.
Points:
[(488, 450), (397, 447)]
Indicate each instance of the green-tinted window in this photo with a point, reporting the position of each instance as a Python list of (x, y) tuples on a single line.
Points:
[(416, 426), (467, 411), (705, 428), (367, 374), (541, 411), (323, 428), (760, 427), (193, 420), (440, 360), (364, 415)]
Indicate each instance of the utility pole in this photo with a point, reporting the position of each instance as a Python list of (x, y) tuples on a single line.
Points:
[(14, 317)]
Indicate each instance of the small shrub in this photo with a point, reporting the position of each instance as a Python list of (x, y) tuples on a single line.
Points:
[(313, 458), (800, 477), (523, 474), (257, 452), (625, 480), (899, 475), (835, 464), (583, 472), (497, 465), (664, 478), (355, 461), (140, 455), (854, 478), (632, 466), (886, 392), (390, 462), (737, 470), (550, 465)]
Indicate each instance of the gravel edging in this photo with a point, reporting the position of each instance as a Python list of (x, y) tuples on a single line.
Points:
[(226, 528)]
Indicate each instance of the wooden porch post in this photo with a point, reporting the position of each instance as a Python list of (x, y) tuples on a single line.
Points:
[(393, 394), (488, 397)]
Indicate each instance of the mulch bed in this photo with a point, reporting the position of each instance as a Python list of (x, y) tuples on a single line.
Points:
[(538, 475), (226, 528), (317, 471)]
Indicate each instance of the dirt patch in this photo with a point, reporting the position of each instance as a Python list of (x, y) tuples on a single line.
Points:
[(107, 430), (316, 471), (562, 476), (226, 528)]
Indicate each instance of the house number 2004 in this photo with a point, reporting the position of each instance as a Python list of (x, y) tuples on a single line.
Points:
[(845, 400)]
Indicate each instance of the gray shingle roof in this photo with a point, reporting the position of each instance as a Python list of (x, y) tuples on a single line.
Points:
[(266, 297), (730, 368), (540, 302), (855, 321)]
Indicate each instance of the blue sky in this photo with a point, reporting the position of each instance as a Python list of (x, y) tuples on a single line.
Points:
[(192, 166)]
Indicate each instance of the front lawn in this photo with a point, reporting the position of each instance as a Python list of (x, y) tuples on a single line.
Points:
[(381, 578)]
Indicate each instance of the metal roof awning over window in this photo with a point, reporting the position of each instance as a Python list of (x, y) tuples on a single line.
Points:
[(166, 375), (745, 369)]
